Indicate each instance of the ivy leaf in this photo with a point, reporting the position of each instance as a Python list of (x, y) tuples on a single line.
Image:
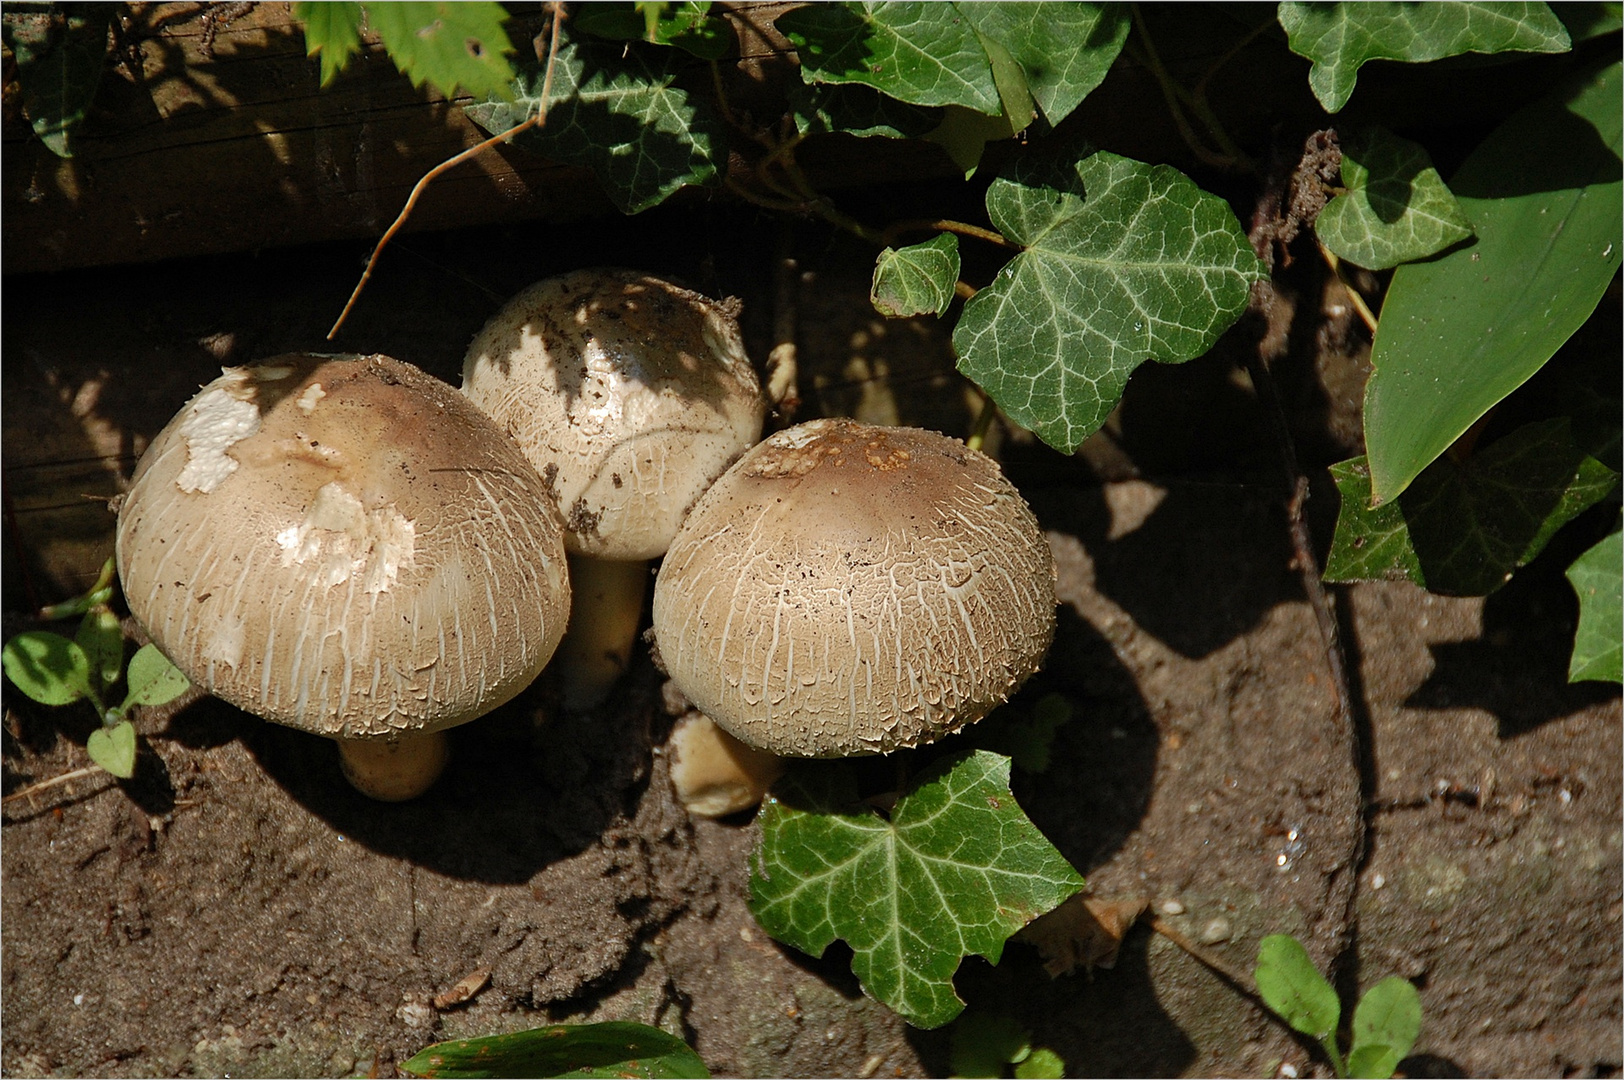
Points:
[(615, 110), (113, 748), (1041, 1064), (917, 279), (1386, 1023), (47, 667), (152, 679), (1124, 262), (1341, 37), (955, 870), (857, 110), (920, 53), (1545, 193), (616, 1048), (447, 44), (59, 55), (1597, 577), (1291, 987), (1396, 210), (332, 30), (1057, 78), (102, 640), (1463, 529), (687, 26)]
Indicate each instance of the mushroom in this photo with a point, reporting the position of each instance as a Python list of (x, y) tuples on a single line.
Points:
[(847, 589), (630, 395), (713, 773), (347, 546)]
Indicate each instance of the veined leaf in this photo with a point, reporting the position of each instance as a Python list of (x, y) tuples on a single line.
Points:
[(917, 279), (152, 679), (113, 748), (60, 55), (1598, 644), (1396, 210), (47, 667), (332, 30), (857, 110), (1386, 1023), (447, 44), (1293, 989), (1340, 37), (615, 110), (1058, 78), (1463, 529), (1460, 332), (956, 869), (616, 1048), (1124, 262)]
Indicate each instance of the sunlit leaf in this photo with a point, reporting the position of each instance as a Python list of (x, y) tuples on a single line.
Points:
[(955, 869), (1396, 209), (447, 45), (60, 55), (152, 679), (1293, 989), (333, 31), (47, 667), (917, 279), (113, 748), (1124, 262), (1386, 1023), (1545, 194), (1057, 76), (102, 639), (613, 1049), (1340, 37), (1598, 645)]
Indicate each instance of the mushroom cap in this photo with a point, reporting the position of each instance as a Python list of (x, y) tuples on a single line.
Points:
[(848, 589), (344, 545), (628, 393)]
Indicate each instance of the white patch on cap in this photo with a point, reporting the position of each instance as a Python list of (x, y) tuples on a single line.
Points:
[(219, 418), (307, 400), (339, 539), (224, 644)]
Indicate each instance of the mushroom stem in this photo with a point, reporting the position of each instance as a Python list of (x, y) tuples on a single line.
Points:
[(394, 770), (715, 774), (606, 607)]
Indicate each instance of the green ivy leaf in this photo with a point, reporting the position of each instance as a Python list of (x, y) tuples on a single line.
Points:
[(616, 1048), (47, 667), (688, 26), (152, 679), (955, 870), (332, 30), (1124, 262), (1341, 37), (857, 110), (113, 748), (1458, 333), (920, 53), (981, 1044), (1057, 77), (1041, 1064), (1396, 210), (1291, 987), (447, 44), (1386, 1023), (1598, 579), (917, 279), (615, 110), (1463, 529), (102, 640), (60, 55), (1590, 20)]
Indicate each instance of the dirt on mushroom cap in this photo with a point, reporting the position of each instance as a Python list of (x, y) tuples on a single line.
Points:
[(848, 589), (344, 545)]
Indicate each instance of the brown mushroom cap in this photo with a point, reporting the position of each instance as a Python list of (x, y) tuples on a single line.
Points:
[(629, 393), (344, 545), (849, 589)]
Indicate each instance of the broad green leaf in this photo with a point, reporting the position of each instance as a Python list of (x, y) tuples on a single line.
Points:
[(617, 1048), (965, 133), (1590, 20), (333, 30), (1463, 528), (917, 279), (857, 110), (981, 1044), (615, 110), (1599, 641), (1064, 49), (1041, 1064), (1545, 194), (920, 53), (101, 639), (1340, 37), (1387, 1017), (689, 26), (1124, 262), (153, 680), (47, 667), (447, 45), (1396, 209), (113, 748), (1291, 987), (955, 870), (60, 55)]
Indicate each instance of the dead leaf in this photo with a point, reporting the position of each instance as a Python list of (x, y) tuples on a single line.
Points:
[(465, 988), (1084, 932)]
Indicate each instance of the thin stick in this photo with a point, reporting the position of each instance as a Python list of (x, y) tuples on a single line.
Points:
[(34, 789), (535, 121), (1354, 296), (948, 225)]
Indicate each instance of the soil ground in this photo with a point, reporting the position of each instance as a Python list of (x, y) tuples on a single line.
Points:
[(238, 910)]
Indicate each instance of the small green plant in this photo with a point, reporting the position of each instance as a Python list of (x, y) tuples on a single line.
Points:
[(616, 1048), (986, 1044), (1385, 1023), (54, 670)]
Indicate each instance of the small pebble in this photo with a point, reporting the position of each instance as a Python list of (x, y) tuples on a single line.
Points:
[(1172, 907), (1377, 881), (1216, 930)]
